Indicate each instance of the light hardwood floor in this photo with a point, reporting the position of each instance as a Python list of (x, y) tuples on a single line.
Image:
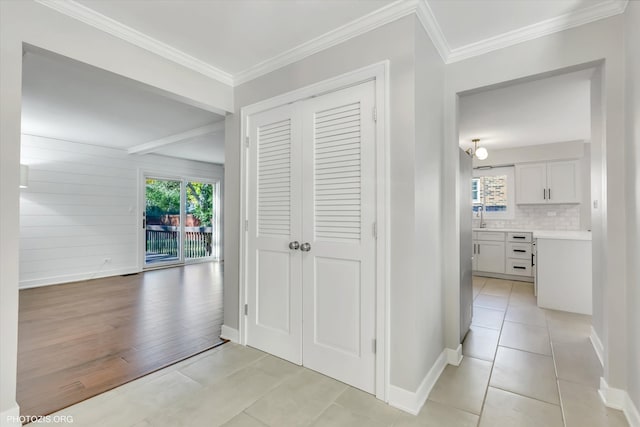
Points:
[(80, 339)]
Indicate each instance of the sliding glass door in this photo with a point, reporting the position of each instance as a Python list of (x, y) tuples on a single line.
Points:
[(180, 221), (162, 222), (200, 240)]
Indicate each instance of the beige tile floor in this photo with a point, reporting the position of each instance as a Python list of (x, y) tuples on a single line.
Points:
[(523, 366)]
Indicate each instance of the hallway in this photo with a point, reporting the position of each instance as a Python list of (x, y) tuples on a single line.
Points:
[(523, 366)]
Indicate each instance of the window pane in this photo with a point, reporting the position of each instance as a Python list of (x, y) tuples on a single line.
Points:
[(475, 190), (162, 228), (495, 193), (200, 211)]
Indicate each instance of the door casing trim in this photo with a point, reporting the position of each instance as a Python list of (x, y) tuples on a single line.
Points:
[(379, 72)]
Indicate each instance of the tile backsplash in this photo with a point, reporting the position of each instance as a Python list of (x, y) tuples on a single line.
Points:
[(538, 217)]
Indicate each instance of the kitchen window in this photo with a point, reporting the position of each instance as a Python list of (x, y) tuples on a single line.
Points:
[(494, 190)]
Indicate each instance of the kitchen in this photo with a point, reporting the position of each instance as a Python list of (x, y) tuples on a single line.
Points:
[(525, 150)]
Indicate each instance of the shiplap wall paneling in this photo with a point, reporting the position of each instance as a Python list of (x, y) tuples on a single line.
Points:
[(81, 207)]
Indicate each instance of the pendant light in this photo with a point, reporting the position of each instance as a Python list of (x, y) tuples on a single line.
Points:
[(480, 152)]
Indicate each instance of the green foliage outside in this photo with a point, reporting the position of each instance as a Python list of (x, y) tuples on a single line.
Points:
[(200, 202), (163, 198)]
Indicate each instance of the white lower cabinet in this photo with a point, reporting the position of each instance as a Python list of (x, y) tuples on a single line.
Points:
[(489, 251), (519, 267), (564, 275), (500, 252)]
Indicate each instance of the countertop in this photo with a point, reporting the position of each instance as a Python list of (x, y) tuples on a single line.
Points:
[(562, 235), (546, 234)]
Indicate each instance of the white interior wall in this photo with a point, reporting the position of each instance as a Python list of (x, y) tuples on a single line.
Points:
[(429, 313), (393, 41), (412, 350), (28, 22), (533, 154), (34, 24), (598, 182), (632, 39), (585, 182), (581, 46), (81, 207)]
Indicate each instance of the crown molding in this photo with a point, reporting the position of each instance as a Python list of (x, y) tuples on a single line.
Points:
[(589, 14), (375, 19), (97, 20), (431, 26), (368, 22)]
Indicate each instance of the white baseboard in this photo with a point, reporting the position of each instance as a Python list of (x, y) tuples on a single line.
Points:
[(230, 334), (632, 413), (10, 417), (619, 399), (454, 357), (57, 280), (597, 345), (412, 401)]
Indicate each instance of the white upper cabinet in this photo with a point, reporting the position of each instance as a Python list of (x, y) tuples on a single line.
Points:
[(553, 182), (531, 183), (563, 182)]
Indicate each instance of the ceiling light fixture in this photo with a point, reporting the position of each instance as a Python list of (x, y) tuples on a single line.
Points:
[(480, 152)]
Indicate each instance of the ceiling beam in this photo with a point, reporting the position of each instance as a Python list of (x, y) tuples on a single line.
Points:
[(151, 146)]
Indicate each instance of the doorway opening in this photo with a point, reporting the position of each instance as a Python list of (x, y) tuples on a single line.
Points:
[(532, 180), (91, 317)]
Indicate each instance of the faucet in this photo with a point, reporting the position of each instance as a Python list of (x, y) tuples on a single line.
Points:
[(481, 209)]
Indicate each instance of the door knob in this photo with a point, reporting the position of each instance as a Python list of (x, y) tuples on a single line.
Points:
[(294, 245), (305, 247)]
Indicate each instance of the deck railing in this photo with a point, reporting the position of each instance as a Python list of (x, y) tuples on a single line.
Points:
[(165, 240)]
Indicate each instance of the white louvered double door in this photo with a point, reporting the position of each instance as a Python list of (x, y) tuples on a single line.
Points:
[(312, 181)]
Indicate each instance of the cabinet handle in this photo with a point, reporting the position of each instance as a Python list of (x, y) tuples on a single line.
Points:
[(519, 250), (544, 193), (478, 248), (549, 194), (519, 237), (517, 267)]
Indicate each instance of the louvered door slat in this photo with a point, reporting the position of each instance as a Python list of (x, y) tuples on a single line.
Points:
[(274, 179), (337, 166)]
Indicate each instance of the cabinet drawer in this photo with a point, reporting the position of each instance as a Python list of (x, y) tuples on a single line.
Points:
[(519, 267), (519, 237), (519, 250), (494, 236)]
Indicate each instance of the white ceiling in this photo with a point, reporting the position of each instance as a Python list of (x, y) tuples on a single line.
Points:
[(237, 40), (207, 148), (68, 100), (234, 35), (464, 22), (554, 109)]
